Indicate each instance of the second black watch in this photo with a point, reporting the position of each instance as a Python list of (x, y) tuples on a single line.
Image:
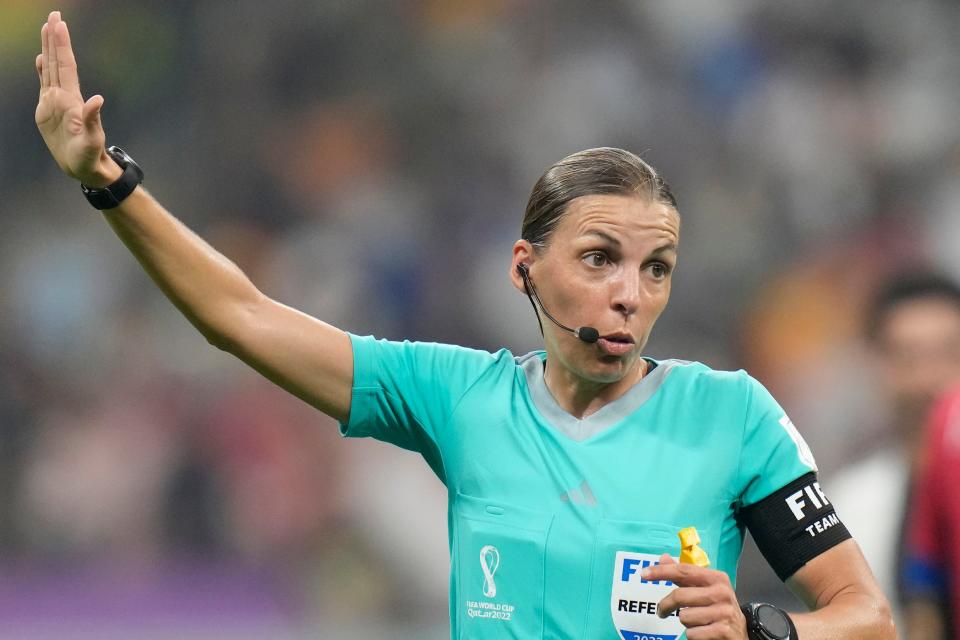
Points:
[(113, 194), (767, 622)]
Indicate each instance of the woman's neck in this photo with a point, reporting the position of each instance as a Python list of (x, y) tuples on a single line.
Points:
[(580, 397)]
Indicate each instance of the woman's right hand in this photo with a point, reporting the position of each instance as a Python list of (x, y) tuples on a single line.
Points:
[(70, 127)]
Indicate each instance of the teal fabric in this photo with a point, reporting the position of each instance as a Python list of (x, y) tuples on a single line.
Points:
[(540, 503)]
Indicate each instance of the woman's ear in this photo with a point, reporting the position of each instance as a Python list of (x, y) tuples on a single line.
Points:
[(522, 254)]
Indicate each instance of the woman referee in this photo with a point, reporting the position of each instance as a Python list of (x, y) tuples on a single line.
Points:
[(570, 471)]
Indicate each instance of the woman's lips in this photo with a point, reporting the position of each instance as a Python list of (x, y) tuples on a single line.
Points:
[(615, 347)]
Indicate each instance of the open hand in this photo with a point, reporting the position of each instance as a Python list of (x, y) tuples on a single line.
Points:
[(70, 127), (708, 606)]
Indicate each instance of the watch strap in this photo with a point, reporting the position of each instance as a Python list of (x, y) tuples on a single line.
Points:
[(113, 194)]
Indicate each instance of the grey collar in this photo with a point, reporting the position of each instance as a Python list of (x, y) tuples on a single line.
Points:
[(609, 415)]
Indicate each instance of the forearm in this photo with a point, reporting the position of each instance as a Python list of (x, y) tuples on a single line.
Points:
[(850, 616), (210, 290)]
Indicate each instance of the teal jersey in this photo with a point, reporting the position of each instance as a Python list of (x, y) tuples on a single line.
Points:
[(552, 518)]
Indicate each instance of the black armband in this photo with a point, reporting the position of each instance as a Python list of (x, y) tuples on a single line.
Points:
[(794, 525)]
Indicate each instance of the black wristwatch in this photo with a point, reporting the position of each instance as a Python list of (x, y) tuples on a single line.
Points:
[(767, 622), (112, 195)]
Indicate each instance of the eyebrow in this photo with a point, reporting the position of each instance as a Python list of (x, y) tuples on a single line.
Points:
[(603, 236), (672, 246), (664, 249)]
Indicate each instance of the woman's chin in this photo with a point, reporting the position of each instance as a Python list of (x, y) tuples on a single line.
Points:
[(608, 368)]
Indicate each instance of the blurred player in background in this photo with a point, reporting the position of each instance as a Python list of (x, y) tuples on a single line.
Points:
[(570, 471), (932, 565), (913, 330)]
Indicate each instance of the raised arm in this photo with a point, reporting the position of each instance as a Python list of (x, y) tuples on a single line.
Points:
[(305, 356)]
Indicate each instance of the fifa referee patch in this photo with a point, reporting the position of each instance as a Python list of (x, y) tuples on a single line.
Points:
[(794, 525), (634, 600)]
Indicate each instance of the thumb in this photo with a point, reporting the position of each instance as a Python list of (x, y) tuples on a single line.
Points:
[(667, 559), (91, 113)]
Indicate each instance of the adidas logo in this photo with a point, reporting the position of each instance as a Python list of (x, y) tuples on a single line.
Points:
[(580, 495)]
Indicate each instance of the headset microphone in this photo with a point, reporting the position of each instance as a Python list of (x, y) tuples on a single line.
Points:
[(587, 334)]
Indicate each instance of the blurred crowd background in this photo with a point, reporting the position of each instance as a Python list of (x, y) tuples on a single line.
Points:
[(368, 162)]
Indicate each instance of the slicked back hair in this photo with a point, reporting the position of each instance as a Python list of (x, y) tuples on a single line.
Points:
[(604, 170)]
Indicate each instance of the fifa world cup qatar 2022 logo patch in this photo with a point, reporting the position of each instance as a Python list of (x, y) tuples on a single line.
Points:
[(633, 601), (489, 563)]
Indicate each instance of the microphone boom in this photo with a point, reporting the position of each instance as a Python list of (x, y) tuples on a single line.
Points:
[(587, 334)]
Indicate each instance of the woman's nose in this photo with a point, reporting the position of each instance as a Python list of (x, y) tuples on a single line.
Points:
[(627, 292)]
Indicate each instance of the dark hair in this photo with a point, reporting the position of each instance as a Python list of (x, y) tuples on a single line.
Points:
[(904, 290), (604, 170)]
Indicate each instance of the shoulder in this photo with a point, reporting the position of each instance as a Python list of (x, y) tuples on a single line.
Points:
[(423, 349), (741, 399), (700, 377), (730, 397), (454, 364)]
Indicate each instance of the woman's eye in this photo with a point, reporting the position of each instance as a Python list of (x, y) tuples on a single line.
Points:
[(596, 259), (659, 270)]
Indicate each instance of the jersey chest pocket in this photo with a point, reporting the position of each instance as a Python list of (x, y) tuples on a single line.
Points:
[(499, 554), (621, 605)]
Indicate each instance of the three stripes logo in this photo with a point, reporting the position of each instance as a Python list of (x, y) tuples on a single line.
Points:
[(580, 495)]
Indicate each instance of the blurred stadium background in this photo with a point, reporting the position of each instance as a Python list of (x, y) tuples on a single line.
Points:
[(368, 162)]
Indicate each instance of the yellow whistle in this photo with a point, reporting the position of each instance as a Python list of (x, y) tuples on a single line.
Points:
[(690, 551)]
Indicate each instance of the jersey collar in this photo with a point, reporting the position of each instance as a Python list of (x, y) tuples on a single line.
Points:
[(580, 429)]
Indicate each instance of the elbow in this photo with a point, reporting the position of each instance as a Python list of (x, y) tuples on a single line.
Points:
[(884, 624), (227, 331), (218, 340)]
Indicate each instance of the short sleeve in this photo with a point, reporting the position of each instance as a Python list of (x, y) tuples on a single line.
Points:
[(774, 453), (404, 392)]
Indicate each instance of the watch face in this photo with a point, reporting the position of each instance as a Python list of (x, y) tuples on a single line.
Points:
[(773, 622), (123, 159)]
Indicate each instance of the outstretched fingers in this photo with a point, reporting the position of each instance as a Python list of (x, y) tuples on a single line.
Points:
[(54, 67), (67, 70), (44, 57)]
